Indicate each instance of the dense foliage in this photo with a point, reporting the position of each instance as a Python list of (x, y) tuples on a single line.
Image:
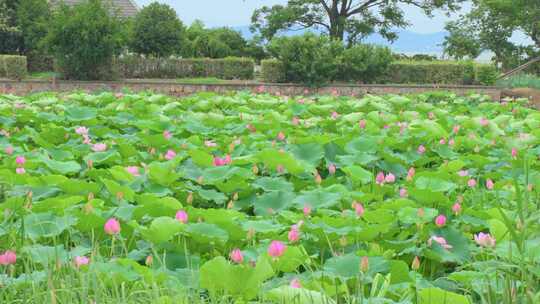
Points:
[(157, 31), (172, 68), (350, 20), (13, 66), (84, 40), (365, 63), (309, 59), (211, 199), (491, 25)]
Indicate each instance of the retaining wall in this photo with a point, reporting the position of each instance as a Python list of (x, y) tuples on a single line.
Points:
[(175, 88)]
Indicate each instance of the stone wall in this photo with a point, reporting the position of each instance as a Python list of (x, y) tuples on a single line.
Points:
[(180, 89)]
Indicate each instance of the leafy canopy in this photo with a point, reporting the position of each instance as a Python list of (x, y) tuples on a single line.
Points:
[(342, 19), (157, 31), (98, 36)]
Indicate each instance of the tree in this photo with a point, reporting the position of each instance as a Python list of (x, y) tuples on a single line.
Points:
[(157, 31), (32, 19), (490, 25), (11, 39), (342, 19), (214, 43), (84, 39)]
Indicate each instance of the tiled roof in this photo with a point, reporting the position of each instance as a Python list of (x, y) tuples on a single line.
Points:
[(126, 8)]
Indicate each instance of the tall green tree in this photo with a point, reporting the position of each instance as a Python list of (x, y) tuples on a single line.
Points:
[(490, 25), (157, 31), (342, 19), (11, 39), (84, 40)]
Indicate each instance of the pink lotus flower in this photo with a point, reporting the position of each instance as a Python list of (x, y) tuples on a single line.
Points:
[(514, 153), (99, 147), (20, 160), (471, 183), (307, 210), (390, 178), (80, 261), (133, 170), (403, 192), (484, 121), (260, 89), (484, 239), (411, 173), (456, 208), (463, 173), (431, 115), (439, 240), (210, 143), (295, 283), (280, 169), (170, 154), (222, 161), (276, 249), (456, 128), (451, 142), (112, 226), (440, 220), (82, 130), (421, 149), (167, 134), (86, 139), (362, 124), (8, 258), (358, 209), (294, 234), (236, 256), (489, 184), (251, 128), (334, 115), (332, 169), (182, 216), (379, 179), (364, 264), (8, 150), (20, 170), (442, 141), (281, 136), (295, 121)]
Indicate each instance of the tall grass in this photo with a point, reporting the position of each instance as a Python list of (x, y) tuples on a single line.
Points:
[(521, 81)]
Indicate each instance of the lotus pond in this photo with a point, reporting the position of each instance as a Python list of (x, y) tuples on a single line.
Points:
[(241, 198)]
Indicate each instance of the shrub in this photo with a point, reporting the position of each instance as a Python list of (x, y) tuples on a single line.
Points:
[(132, 66), (486, 74), (13, 67), (272, 70), (33, 19), (157, 31), (84, 39), (365, 63), (308, 59), (431, 72)]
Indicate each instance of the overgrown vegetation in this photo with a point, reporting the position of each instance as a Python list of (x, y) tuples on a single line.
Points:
[(139, 198)]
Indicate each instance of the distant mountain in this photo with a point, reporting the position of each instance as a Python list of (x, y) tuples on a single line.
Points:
[(408, 42)]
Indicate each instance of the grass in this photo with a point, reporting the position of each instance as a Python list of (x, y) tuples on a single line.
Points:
[(521, 81), (43, 75)]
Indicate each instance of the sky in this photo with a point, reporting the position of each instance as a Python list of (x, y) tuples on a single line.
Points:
[(238, 13)]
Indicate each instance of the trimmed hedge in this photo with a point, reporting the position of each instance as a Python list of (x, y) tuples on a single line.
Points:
[(13, 67), (132, 66), (431, 72), (273, 71)]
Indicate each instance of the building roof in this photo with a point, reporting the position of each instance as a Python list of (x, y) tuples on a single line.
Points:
[(126, 8)]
